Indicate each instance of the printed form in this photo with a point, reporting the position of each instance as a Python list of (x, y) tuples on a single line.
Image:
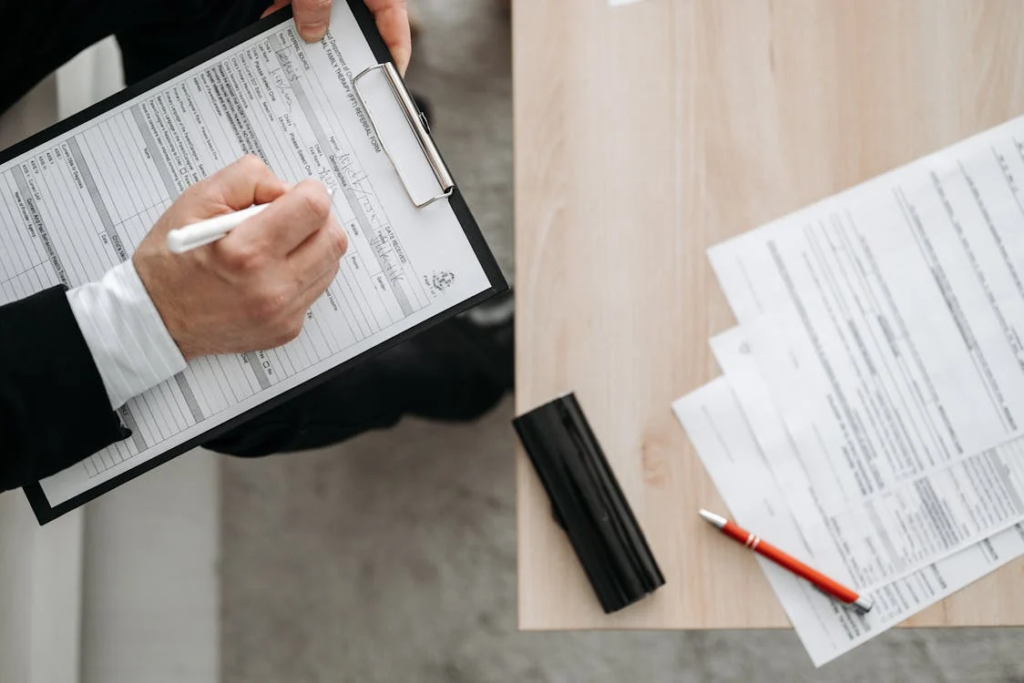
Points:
[(731, 451), (897, 531), (887, 320), (77, 206)]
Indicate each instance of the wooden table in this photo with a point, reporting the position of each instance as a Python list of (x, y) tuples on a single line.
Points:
[(643, 135)]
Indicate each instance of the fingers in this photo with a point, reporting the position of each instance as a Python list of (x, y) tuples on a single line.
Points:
[(288, 326), (315, 290), (311, 18), (393, 23), (319, 254), (238, 186), (309, 287), (286, 224)]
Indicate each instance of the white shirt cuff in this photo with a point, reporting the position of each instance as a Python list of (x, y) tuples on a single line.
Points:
[(129, 342)]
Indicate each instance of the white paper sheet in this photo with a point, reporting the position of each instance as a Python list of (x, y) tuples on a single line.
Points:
[(894, 532), (717, 427), (83, 202), (887, 320)]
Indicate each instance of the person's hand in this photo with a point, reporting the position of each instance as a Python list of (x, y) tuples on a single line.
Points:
[(312, 17), (250, 290)]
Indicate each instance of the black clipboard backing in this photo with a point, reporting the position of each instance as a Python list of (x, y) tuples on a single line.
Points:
[(41, 506)]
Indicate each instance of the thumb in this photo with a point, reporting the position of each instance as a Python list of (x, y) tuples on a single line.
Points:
[(311, 18)]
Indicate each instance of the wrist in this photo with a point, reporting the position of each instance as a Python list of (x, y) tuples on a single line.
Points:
[(172, 322)]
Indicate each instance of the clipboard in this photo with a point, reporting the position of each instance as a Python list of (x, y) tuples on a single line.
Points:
[(447, 190)]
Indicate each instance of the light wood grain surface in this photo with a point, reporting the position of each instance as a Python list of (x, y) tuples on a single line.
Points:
[(643, 135)]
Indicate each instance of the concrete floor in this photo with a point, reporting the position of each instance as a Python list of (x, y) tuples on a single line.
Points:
[(391, 558)]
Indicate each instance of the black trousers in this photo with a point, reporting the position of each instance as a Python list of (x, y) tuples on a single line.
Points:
[(439, 374)]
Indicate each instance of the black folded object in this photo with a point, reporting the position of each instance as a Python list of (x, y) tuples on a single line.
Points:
[(587, 502)]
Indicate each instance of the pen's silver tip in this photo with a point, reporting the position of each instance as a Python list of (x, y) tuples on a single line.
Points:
[(863, 605), (713, 519)]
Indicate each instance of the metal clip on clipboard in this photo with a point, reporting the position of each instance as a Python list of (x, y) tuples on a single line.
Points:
[(418, 125)]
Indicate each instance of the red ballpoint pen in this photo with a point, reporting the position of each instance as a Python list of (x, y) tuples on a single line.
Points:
[(826, 585)]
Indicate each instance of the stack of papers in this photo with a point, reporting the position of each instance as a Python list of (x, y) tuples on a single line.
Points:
[(870, 415)]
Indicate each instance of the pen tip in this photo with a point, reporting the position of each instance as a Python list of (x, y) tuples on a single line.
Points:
[(863, 605), (713, 519)]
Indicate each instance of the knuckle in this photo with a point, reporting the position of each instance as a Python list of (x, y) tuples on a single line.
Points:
[(325, 279), (339, 238), (192, 190), (287, 331), (294, 328), (197, 193), (247, 258), (316, 201), (252, 163), (269, 302)]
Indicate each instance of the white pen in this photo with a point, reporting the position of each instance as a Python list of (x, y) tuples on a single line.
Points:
[(212, 229)]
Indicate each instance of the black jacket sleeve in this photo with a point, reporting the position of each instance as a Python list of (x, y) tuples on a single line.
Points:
[(54, 410)]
